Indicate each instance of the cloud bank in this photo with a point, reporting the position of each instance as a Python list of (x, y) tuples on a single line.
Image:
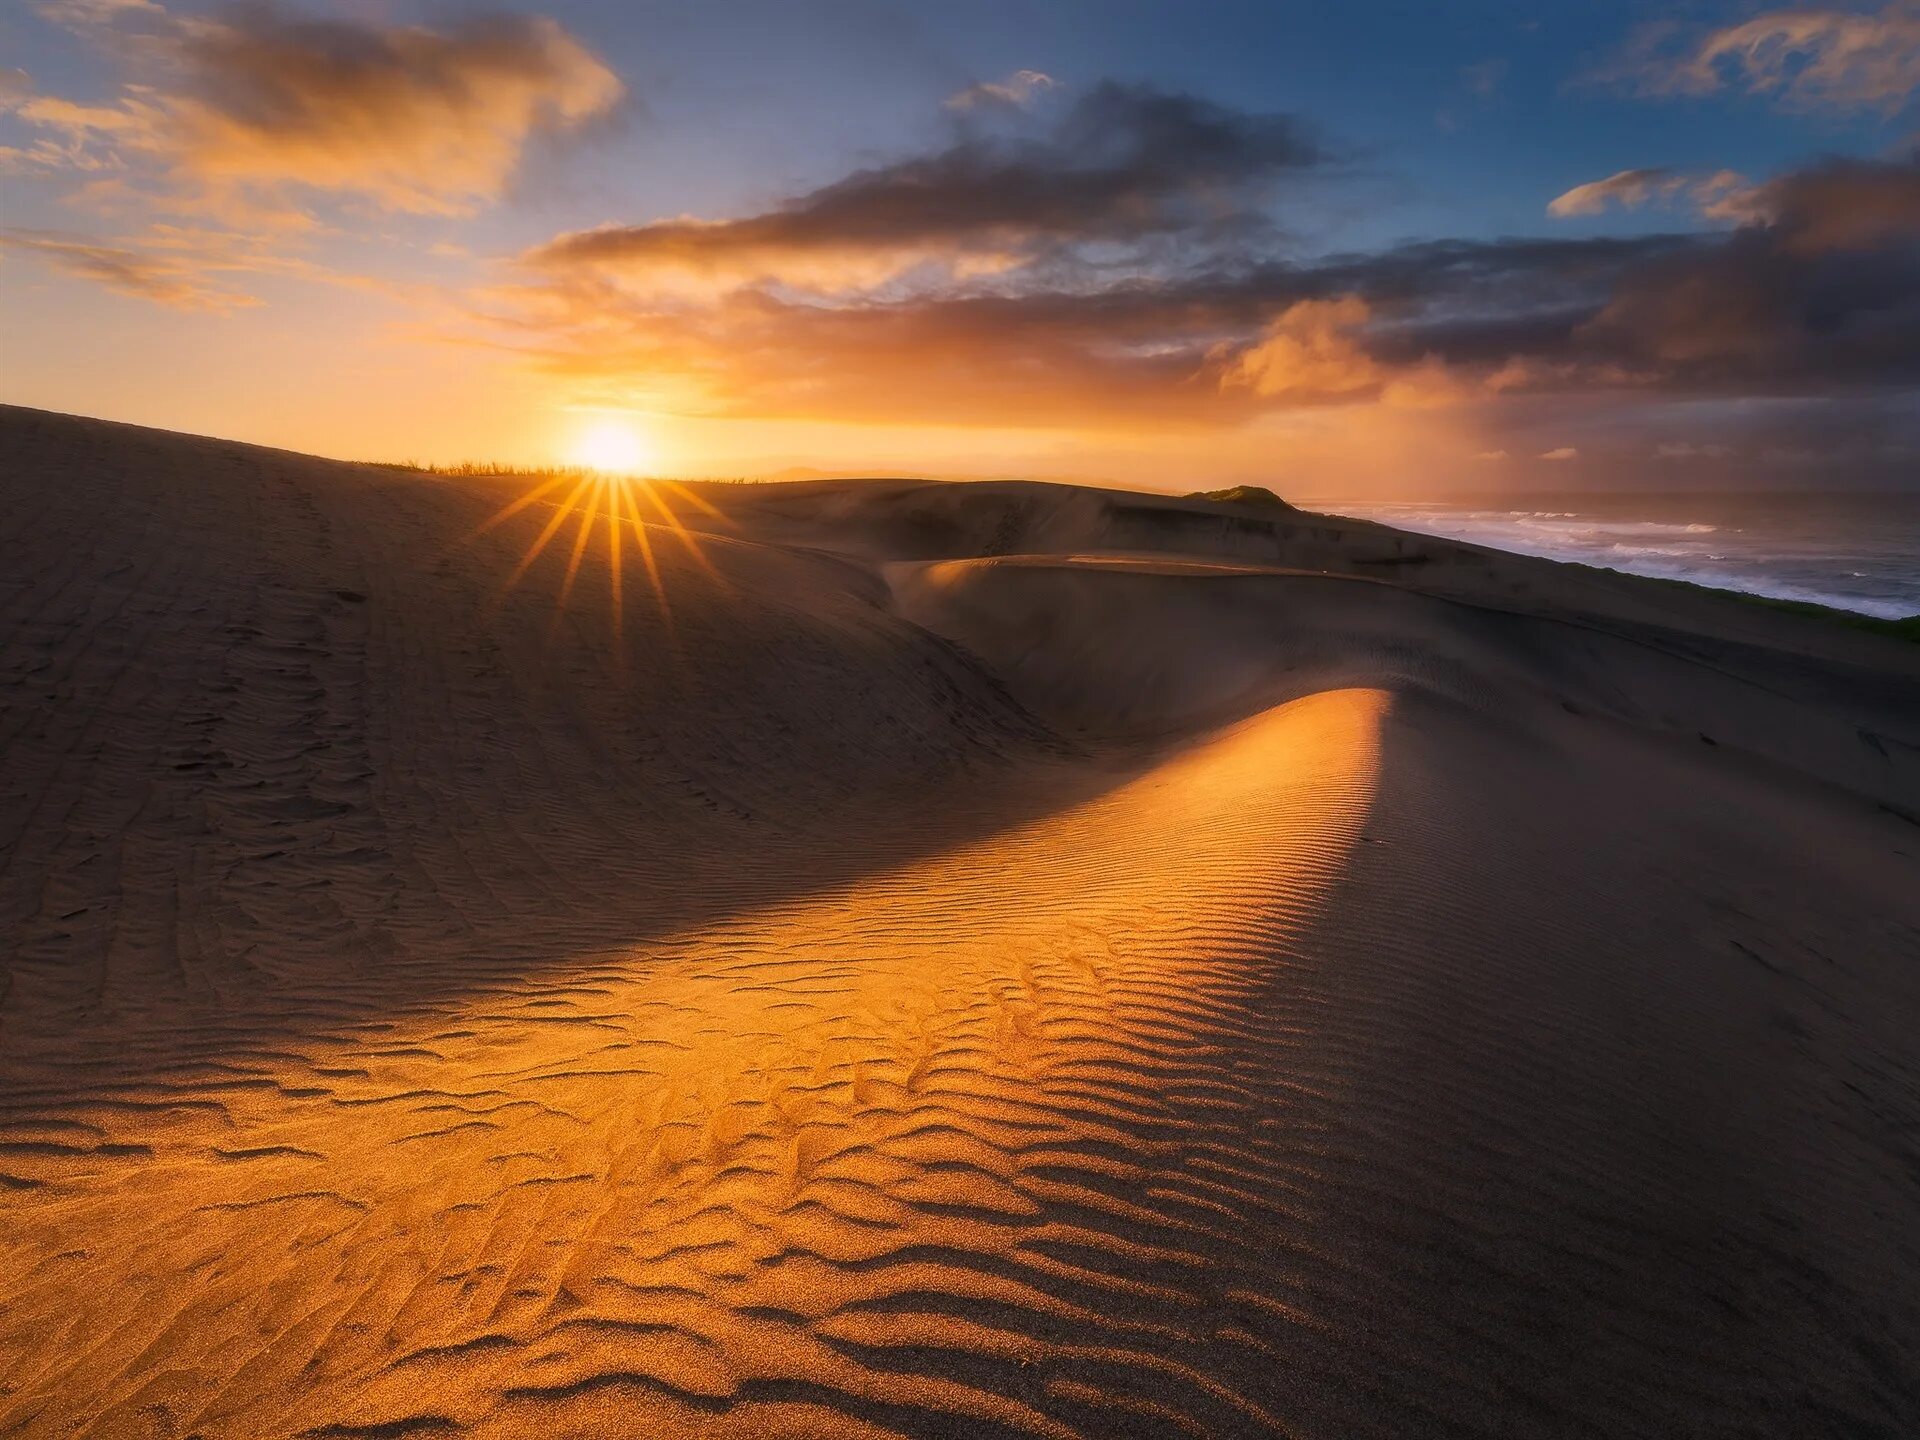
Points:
[(1126, 262)]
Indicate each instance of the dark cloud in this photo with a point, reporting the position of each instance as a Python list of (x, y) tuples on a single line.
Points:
[(1121, 164), (1817, 290), (1836, 205), (1743, 312)]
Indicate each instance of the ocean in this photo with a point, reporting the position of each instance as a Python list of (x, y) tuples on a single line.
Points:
[(1856, 551)]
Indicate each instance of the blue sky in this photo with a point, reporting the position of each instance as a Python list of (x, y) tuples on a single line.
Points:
[(1470, 117)]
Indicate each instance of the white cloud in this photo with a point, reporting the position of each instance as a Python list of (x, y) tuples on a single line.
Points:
[(1018, 89), (1630, 189)]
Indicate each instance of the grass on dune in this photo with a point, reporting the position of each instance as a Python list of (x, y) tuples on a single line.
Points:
[(1906, 627), (500, 469), (1241, 495)]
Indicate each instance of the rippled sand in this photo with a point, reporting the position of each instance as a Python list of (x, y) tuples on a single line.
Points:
[(931, 961)]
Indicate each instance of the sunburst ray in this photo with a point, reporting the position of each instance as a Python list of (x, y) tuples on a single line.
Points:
[(616, 500)]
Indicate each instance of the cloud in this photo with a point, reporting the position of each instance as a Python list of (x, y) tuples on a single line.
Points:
[(244, 119), (1818, 289), (409, 118), (417, 119), (1311, 354), (77, 14), (1713, 193), (1804, 58), (165, 280), (190, 267), (1042, 345), (1836, 205), (1018, 90), (1120, 263), (1430, 323), (1629, 189), (1564, 452), (1122, 166)]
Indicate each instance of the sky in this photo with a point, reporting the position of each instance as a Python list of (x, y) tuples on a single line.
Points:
[(1367, 250)]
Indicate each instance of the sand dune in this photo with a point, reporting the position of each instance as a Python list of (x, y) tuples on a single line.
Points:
[(898, 959)]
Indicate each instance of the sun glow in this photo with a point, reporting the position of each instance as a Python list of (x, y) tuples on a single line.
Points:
[(612, 446), (608, 508)]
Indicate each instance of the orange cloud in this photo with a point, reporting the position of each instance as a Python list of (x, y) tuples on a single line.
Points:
[(1309, 355), (414, 119), (239, 121), (1806, 58), (986, 360), (708, 257), (170, 280), (187, 267), (1630, 189)]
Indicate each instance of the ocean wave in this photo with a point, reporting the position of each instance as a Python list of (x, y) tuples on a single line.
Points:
[(1783, 561), (1774, 588), (1592, 525)]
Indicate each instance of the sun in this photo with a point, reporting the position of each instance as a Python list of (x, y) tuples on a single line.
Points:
[(613, 446)]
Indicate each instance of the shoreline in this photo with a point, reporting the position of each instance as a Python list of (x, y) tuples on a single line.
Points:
[(1713, 539)]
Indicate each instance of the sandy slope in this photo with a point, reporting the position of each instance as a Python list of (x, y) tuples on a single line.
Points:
[(992, 960)]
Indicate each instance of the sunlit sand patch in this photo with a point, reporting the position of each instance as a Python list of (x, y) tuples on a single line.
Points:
[(966, 1140)]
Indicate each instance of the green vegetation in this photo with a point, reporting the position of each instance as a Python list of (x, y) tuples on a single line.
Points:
[(1242, 495), (485, 467), (1905, 628), (535, 472)]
